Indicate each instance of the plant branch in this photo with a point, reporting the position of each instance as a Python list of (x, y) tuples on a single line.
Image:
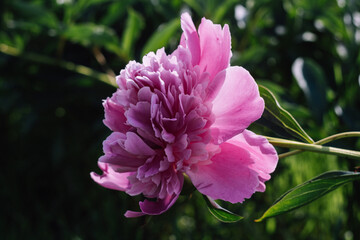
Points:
[(323, 141), (316, 147), (100, 58), (80, 69)]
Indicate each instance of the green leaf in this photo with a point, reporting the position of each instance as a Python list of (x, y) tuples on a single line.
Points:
[(89, 34), (222, 9), (279, 117), (134, 25), (309, 191), (253, 56), (77, 9), (196, 6), (32, 13), (115, 12), (311, 79), (220, 213), (335, 25), (188, 188), (162, 36)]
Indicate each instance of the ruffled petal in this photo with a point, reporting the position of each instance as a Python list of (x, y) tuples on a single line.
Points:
[(215, 46), (228, 176), (210, 46), (135, 145), (139, 116), (236, 105), (190, 38), (114, 116), (111, 179), (261, 151), (118, 149)]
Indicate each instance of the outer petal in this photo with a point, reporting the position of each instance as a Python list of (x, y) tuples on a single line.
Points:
[(118, 149), (190, 37), (111, 179), (215, 45), (237, 103), (229, 176), (114, 116), (153, 208), (156, 207), (261, 151), (132, 214)]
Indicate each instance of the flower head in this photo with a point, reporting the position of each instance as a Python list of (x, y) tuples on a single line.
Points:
[(185, 113)]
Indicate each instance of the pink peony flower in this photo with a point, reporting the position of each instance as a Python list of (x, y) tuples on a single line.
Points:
[(185, 113)]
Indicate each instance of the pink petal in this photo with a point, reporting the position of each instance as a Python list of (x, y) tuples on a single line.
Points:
[(156, 207), (116, 154), (139, 116), (237, 103), (159, 206), (261, 151), (132, 214), (215, 46), (228, 177), (190, 37), (135, 145), (114, 116), (111, 179)]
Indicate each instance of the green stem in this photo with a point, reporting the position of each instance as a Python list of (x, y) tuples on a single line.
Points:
[(81, 69), (316, 147), (338, 136), (323, 141)]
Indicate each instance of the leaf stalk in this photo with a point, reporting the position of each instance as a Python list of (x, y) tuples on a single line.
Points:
[(316, 147)]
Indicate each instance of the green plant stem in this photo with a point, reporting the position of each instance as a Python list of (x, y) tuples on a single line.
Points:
[(323, 141), (80, 69), (316, 147)]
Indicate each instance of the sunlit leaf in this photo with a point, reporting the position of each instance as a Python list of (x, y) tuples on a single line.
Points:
[(16, 41), (275, 115), (221, 213), (309, 191), (162, 36)]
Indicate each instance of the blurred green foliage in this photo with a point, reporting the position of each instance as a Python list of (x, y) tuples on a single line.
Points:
[(51, 116)]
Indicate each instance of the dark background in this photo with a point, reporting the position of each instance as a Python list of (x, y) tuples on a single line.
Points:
[(51, 115)]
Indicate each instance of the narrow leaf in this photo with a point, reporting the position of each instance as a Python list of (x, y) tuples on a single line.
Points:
[(280, 118), (134, 25), (220, 213), (161, 37), (309, 191)]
